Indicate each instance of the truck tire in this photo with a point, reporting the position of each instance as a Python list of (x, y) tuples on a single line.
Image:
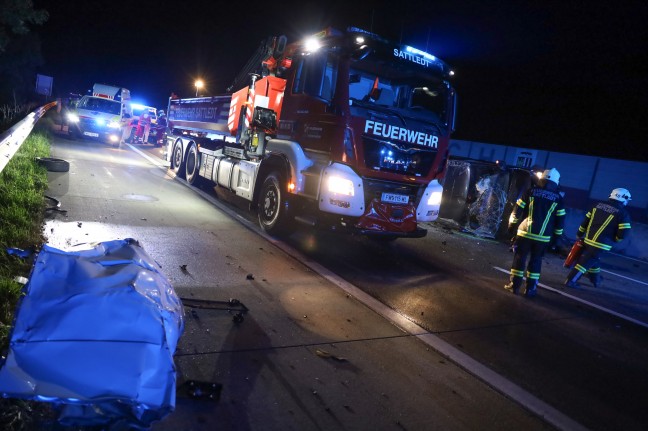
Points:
[(177, 162), (192, 164), (273, 206), (54, 165)]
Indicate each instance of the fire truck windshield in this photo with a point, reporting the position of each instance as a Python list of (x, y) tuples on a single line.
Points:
[(400, 101), (410, 97)]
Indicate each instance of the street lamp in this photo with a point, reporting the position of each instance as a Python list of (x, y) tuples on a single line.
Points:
[(199, 84)]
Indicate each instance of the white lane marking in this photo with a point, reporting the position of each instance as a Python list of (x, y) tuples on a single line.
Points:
[(490, 377), (623, 276), (627, 257), (154, 160), (582, 301)]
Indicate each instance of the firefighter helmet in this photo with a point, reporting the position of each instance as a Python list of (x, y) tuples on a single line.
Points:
[(551, 175), (621, 195), (161, 113)]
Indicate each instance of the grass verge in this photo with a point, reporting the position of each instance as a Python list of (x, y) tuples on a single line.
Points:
[(23, 183)]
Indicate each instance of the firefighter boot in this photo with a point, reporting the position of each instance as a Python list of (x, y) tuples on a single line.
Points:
[(531, 288), (595, 278), (514, 285), (572, 278)]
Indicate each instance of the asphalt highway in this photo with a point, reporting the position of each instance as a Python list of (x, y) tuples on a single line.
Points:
[(346, 333)]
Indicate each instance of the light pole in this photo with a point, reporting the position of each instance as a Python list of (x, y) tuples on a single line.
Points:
[(199, 84)]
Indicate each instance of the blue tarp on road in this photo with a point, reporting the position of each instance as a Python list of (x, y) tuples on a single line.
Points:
[(95, 333)]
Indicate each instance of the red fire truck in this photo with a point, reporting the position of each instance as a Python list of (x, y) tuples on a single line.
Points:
[(343, 131)]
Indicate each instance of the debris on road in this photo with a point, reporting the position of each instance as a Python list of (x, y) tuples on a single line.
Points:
[(200, 390), (232, 305), (327, 355)]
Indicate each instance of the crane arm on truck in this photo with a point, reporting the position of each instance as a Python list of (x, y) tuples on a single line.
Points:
[(263, 62)]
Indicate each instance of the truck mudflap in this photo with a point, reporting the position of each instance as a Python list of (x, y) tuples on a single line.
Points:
[(390, 220)]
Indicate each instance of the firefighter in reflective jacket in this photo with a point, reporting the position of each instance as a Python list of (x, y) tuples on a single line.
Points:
[(606, 223), (542, 213)]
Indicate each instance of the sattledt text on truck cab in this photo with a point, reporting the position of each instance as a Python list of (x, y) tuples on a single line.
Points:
[(343, 131), (104, 115)]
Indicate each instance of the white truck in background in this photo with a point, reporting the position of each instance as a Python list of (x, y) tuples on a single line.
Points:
[(104, 115)]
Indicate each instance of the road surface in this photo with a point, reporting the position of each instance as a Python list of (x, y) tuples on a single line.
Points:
[(345, 333)]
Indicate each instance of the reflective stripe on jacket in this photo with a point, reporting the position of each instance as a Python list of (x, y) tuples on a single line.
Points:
[(605, 224), (542, 212)]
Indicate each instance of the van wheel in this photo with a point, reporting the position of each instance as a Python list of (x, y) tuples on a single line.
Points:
[(273, 208), (192, 165), (176, 160)]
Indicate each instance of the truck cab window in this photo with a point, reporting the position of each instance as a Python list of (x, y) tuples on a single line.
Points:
[(372, 89), (316, 76), (429, 99)]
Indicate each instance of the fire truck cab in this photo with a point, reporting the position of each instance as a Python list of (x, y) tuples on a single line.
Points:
[(343, 130)]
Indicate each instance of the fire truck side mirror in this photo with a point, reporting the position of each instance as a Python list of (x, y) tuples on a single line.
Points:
[(361, 52), (265, 119), (280, 46)]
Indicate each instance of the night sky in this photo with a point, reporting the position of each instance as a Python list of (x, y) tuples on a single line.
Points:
[(565, 76)]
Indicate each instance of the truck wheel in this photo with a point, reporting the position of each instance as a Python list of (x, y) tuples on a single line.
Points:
[(176, 160), (273, 206), (192, 164)]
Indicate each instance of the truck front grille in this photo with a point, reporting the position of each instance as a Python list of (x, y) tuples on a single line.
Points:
[(373, 189)]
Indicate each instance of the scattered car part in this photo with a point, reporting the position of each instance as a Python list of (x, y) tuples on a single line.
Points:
[(54, 165)]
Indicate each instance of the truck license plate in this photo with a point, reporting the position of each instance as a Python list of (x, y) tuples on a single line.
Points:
[(394, 198), (95, 135)]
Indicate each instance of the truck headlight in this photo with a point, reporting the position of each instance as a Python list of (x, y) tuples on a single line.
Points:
[(435, 198), (340, 186), (114, 124), (72, 118)]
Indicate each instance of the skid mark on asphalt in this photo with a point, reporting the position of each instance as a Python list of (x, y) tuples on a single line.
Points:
[(582, 301)]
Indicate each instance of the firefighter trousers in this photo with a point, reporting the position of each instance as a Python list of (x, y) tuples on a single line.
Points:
[(589, 259), (589, 262), (532, 250)]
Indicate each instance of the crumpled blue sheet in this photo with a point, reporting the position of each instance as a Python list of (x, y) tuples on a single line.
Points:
[(95, 333)]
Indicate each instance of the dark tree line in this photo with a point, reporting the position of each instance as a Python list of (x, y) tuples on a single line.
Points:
[(20, 50)]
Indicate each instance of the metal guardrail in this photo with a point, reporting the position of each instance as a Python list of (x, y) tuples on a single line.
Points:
[(12, 139)]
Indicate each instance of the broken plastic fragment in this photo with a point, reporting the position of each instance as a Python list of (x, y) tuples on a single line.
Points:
[(23, 254), (327, 355)]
